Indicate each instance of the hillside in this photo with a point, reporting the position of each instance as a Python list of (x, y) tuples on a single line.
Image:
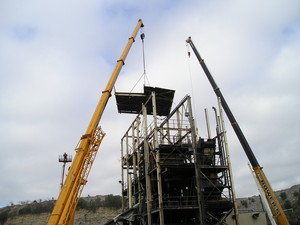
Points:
[(90, 210), (288, 198), (99, 209)]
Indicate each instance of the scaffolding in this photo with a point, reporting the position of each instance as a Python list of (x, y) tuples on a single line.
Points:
[(170, 175)]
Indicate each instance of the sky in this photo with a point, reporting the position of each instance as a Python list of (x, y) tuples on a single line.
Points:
[(57, 56)]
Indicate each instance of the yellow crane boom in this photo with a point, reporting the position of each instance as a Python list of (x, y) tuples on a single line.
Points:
[(86, 150)]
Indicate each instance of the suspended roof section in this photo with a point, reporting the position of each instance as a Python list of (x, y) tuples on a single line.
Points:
[(132, 102)]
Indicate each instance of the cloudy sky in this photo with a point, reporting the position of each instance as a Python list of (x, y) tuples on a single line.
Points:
[(56, 57)]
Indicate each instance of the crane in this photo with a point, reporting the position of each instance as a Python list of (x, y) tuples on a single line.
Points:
[(273, 202), (86, 150)]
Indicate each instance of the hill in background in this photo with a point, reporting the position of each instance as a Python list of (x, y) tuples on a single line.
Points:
[(90, 210), (100, 209), (288, 198)]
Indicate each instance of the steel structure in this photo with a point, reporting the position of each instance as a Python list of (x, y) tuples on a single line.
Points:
[(170, 175)]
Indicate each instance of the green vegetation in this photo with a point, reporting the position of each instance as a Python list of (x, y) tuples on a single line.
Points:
[(283, 196), (296, 203), (114, 202), (3, 216), (244, 203), (110, 201), (38, 207), (287, 204)]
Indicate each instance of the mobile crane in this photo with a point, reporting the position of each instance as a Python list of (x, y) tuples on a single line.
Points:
[(86, 150), (273, 202)]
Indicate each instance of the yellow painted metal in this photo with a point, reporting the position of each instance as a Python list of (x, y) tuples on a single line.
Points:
[(276, 208), (64, 209)]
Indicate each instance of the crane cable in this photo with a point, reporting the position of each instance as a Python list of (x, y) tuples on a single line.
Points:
[(190, 75), (143, 47), (144, 75), (144, 60)]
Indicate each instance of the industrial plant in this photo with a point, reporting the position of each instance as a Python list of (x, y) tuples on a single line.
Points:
[(170, 173)]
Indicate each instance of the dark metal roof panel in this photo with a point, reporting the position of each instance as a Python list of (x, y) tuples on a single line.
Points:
[(132, 102)]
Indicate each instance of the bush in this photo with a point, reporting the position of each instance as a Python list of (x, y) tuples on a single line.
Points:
[(37, 208), (244, 203), (44, 207), (25, 210), (110, 201), (283, 196), (287, 204), (82, 204), (114, 202), (3, 216), (90, 205)]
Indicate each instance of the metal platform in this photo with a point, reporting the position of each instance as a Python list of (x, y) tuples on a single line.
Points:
[(132, 102)]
